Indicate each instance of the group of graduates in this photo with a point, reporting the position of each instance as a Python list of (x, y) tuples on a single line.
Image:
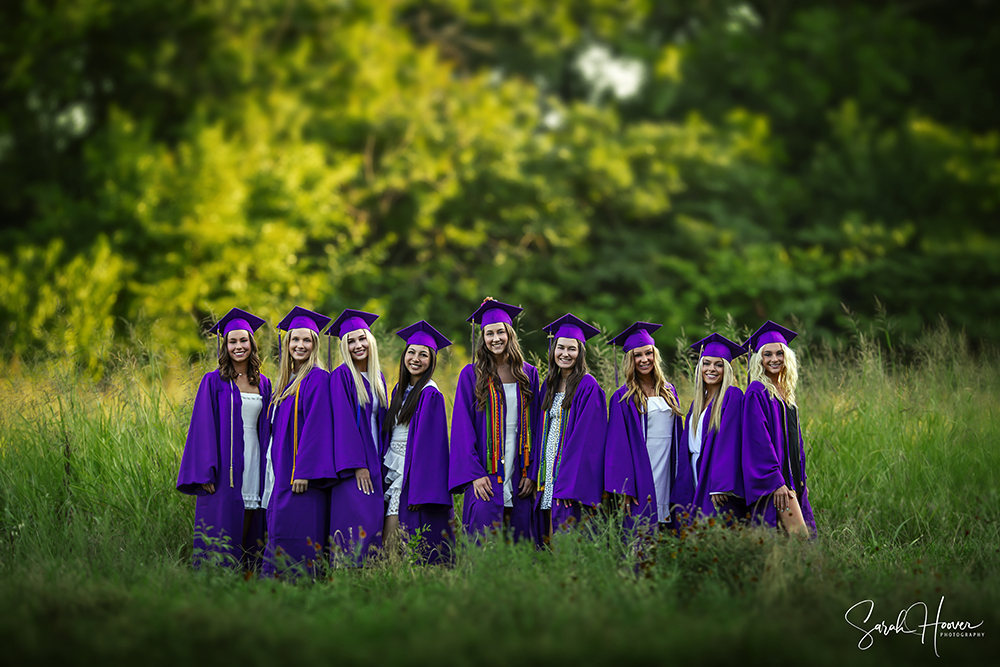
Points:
[(331, 465)]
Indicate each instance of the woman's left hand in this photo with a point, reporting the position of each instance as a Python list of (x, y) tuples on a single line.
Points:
[(300, 485), (364, 480), (527, 488), (719, 500)]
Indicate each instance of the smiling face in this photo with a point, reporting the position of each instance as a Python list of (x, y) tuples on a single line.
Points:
[(238, 345), (417, 360), (644, 359), (495, 337), (300, 346), (772, 357), (566, 351), (357, 345), (712, 370)]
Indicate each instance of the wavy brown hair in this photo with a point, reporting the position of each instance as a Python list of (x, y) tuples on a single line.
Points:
[(575, 375), (486, 368), (663, 387), (228, 370)]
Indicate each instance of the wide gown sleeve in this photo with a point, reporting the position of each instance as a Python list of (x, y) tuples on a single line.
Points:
[(200, 461), (429, 436), (581, 470), (464, 461), (348, 442), (761, 462), (314, 461), (619, 470)]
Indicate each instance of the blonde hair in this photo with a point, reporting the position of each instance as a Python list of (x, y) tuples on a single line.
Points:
[(285, 366), (698, 404), (788, 378), (374, 370), (635, 391)]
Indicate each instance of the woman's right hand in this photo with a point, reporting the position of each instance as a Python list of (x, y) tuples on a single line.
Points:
[(783, 498), (364, 479), (209, 488), (482, 488)]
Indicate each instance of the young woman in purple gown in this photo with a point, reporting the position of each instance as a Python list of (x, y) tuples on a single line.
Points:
[(774, 458), (416, 450), (221, 464), (493, 459), (359, 402), (299, 463), (645, 423), (712, 481), (574, 429)]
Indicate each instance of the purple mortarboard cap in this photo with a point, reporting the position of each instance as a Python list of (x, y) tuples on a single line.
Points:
[(422, 333), (302, 318), (493, 311), (716, 345), (236, 320), (636, 335), (571, 326), (769, 332), (351, 320)]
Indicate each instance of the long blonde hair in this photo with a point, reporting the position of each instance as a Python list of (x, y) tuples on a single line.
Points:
[(374, 370), (788, 378), (698, 404), (635, 391), (285, 366)]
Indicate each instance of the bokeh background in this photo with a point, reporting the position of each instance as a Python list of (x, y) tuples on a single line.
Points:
[(161, 162)]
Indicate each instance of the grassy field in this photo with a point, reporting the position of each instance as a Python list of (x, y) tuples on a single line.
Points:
[(903, 463)]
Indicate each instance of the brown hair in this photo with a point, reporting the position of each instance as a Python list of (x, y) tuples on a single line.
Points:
[(228, 370), (486, 368)]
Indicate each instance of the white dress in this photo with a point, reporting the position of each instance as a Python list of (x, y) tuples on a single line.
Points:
[(694, 443), (659, 437), (509, 460), (552, 447), (252, 404)]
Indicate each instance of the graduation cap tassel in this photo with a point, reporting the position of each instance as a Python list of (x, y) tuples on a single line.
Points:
[(232, 424), (614, 351), (472, 343), (217, 345), (278, 329)]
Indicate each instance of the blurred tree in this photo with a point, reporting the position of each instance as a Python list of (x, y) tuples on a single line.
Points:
[(160, 163)]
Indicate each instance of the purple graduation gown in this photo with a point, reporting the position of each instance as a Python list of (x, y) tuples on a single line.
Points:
[(468, 458), (353, 515), (766, 464), (217, 423), (296, 519), (627, 470), (579, 464), (425, 499), (720, 462)]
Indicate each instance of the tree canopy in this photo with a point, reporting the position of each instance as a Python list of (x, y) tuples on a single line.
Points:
[(623, 159)]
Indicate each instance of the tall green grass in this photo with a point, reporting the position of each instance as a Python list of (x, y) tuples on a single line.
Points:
[(902, 462)]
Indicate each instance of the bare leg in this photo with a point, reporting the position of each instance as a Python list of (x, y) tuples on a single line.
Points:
[(791, 519), (391, 536)]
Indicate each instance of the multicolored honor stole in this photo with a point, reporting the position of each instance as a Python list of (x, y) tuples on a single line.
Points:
[(546, 424), (495, 429)]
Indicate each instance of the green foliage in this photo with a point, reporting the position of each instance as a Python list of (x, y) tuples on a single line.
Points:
[(163, 162), (902, 475)]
